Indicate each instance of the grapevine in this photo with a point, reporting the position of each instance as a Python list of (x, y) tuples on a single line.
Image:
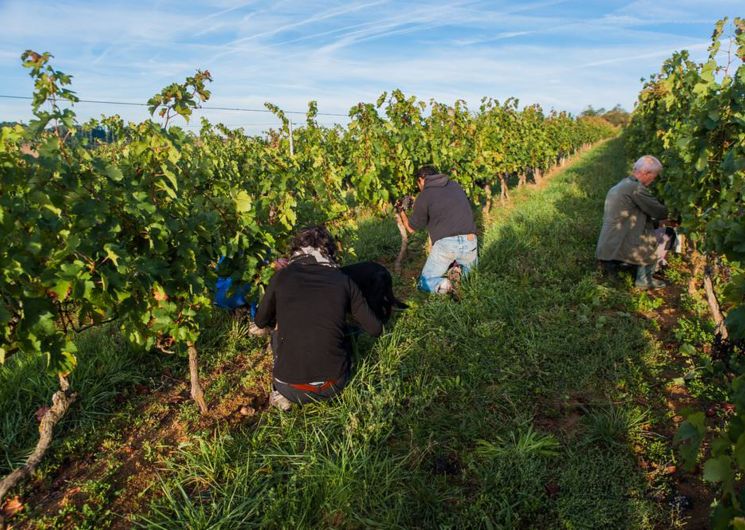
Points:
[(693, 116)]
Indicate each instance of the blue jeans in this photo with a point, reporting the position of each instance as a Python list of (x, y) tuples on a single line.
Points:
[(443, 253)]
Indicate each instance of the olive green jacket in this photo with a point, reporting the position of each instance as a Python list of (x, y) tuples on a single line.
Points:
[(628, 233)]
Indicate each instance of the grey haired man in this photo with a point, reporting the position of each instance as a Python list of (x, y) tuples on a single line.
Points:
[(627, 235)]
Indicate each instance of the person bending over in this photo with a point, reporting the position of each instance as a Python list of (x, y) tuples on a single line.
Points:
[(444, 209), (628, 236), (308, 301)]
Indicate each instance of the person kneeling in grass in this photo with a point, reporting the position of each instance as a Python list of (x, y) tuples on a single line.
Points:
[(628, 234), (444, 209), (308, 301)]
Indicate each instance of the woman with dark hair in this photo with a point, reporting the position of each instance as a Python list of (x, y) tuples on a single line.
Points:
[(308, 301)]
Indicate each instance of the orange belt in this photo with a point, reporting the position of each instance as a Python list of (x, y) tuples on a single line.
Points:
[(313, 388)]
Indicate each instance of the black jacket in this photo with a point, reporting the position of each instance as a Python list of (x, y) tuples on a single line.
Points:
[(443, 208), (309, 303)]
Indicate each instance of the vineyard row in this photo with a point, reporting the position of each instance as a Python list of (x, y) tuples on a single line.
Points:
[(130, 232)]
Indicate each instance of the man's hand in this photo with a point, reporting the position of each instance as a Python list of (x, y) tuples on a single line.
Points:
[(256, 331), (400, 207), (280, 263), (405, 221)]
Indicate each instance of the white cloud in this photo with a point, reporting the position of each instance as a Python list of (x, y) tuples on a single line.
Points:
[(559, 53)]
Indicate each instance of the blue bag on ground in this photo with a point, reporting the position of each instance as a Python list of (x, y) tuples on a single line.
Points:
[(224, 299)]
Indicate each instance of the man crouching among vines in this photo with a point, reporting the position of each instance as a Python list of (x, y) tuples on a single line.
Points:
[(444, 209), (308, 301), (627, 237)]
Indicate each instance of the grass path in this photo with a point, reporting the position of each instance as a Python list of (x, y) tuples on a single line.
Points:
[(529, 404), (516, 407)]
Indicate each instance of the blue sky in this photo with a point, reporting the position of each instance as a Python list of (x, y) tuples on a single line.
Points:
[(561, 54)]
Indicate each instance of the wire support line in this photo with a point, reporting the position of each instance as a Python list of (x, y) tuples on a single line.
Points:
[(231, 109)]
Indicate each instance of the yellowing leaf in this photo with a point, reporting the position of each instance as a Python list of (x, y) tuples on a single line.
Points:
[(61, 289), (159, 293), (110, 254), (12, 507), (52, 208), (243, 202)]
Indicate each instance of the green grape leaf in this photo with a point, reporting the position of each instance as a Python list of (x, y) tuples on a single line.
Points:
[(735, 322), (718, 469), (114, 173)]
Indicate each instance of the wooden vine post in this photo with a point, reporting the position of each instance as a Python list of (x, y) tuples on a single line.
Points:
[(487, 204), (503, 194), (537, 176), (404, 243), (713, 301), (197, 393)]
